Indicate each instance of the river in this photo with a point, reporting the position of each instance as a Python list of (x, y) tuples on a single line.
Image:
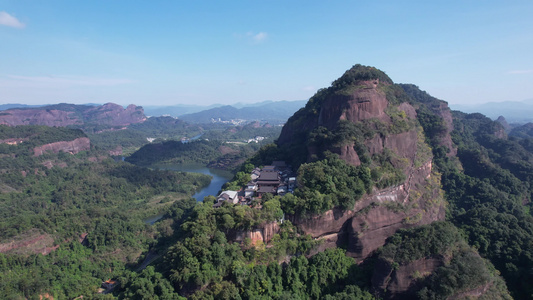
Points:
[(219, 178)]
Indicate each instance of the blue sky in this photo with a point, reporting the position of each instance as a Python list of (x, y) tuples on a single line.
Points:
[(205, 52)]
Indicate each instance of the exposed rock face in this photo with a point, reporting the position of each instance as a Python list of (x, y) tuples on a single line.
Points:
[(446, 140), (32, 242), (114, 115), (48, 117), (73, 147), (264, 234), (504, 123), (366, 102), (400, 281), (378, 215), (66, 115)]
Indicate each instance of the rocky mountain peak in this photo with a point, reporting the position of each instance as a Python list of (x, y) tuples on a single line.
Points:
[(369, 123)]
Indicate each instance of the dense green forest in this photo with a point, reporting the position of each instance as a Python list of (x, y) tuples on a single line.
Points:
[(166, 134), (135, 135), (464, 270), (489, 192), (220, 147), (87, 210)]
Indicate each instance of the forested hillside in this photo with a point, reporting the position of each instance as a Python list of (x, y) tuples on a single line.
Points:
[(69, 222), (489, 192), (223, 147)]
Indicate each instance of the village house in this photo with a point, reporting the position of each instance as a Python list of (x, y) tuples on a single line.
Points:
[(255, 174), (249, 190), (227, 196), (268, 181)]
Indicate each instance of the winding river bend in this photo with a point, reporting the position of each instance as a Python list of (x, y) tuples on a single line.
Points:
[(219, 178)]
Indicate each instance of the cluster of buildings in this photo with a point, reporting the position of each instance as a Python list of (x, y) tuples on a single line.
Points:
[(256, 139), (275, 179), (232, 121)]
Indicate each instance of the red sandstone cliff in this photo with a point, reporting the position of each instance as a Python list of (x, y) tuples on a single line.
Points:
[(48, 117), (73, 147), (70, 114), (378, 215)]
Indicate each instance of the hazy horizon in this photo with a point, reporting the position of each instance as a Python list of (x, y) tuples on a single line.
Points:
[(187, 53)]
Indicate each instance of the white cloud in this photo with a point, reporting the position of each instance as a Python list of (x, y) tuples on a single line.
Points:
[(61, 81), (253, 37), (8, 20), (309, 88), (260, 37), (520, 72)]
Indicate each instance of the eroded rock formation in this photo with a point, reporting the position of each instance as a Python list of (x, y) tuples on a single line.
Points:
[(416, 201), (73, 147), (70, 114)]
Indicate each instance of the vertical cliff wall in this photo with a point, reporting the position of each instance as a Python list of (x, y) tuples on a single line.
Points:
[(387, 133)]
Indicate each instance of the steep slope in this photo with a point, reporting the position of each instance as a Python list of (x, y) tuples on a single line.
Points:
[(371, 125), (434, 262)]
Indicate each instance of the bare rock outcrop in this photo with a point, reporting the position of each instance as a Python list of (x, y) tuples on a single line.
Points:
[(378, 215), (31, 242), (400, 280), (115, 115), (48, 117), (264, 234), (73, 147), (390, 126), (364, 102)]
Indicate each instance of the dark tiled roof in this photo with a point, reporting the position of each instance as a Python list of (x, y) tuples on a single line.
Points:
[(267, 189), (268, 176)]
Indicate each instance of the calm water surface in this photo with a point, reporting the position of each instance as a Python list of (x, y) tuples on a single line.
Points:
[(219, 178)]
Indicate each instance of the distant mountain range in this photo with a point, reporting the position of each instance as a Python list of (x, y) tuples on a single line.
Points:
[(64, 114), (175, 110), (513, 111), (271, 112)]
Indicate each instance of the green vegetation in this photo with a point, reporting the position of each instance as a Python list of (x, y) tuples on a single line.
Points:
[(407, 245), (33, 136), (135, 135), (87, 210), (213, 149), (203, 264), (489, 197), (213, 153), (326, 184), (51, 206), (357, 73), (462, 269)]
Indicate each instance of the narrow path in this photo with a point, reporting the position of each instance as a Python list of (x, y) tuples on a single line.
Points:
[(150, 257)]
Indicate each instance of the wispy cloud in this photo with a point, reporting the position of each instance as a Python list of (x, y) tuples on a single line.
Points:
[(309, 88), (520, 71), (62, 81), (256, 38), (8, 20)]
